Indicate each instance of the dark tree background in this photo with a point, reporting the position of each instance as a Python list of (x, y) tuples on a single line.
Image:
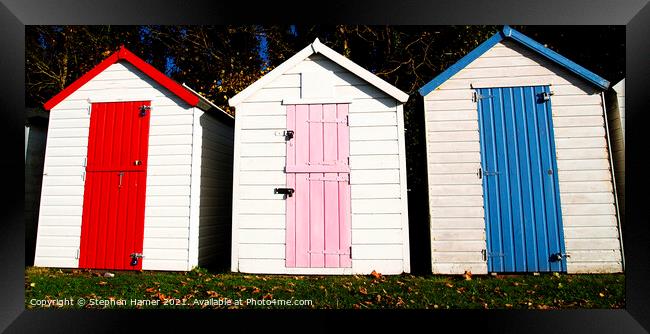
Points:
[(220, 61)]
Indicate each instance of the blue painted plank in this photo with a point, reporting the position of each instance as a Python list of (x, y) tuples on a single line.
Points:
[(518, 248), (528, 226), (523, 217), (548, 158), (503, 179)]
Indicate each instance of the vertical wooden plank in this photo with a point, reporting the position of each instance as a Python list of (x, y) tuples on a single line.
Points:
[(537, 181), (141, 179), (345, 226), (553, 218), (316, 187), (331, 191), (301, 138), (290, 248), (503, 138), (491, 182), (516, 256), (529, 255)]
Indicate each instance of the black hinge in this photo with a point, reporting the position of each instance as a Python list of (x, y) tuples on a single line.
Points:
[(143, 110), (476, 96), (544, 96), (350, 252)]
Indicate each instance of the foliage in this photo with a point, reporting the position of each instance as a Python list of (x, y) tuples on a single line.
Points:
[(220, 61), (192, 289)]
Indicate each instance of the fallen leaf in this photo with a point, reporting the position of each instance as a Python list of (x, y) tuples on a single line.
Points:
[(508, 305), (378, 298), (467, 275), (449, 285), (375, 274), (267, 296), (32, 284), (601, 294), (102, 283), (363, 291), (212, 294), (256, 290)]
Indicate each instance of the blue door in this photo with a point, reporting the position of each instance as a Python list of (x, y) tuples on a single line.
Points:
[(520, 182)]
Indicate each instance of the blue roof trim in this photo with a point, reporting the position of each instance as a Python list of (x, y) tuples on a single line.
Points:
[(556, 57), (455, 68), (524, 40)]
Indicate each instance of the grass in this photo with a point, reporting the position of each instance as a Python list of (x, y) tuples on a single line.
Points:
[(196, 288)]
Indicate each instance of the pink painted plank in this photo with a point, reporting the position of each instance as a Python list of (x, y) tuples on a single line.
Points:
[(330, 153), (319, 168), (301, 195), (345, 227), (291, 201), (316, 188)]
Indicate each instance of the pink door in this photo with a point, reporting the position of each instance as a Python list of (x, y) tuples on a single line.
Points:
[(318, 212)]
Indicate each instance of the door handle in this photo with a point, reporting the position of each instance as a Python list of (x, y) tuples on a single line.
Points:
[(120, 184), (137, 162)]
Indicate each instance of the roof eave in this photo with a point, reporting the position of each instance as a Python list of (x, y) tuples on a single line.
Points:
[(508, 32), (314, 48), (124, 54)]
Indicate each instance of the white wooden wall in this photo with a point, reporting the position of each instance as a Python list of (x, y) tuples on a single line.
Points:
[(619, 88), (616, 119), (453, 152), (211, 191), (378, 177), (167, 208)]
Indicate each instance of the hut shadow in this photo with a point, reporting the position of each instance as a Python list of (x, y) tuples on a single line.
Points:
[(215, 208)]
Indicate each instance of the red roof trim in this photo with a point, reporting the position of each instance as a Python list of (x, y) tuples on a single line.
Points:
[(146, 68)]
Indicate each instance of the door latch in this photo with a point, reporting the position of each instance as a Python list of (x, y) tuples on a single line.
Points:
[(137, 162), (288, 135), (143, 110), (287, 192), (135, 257), (121, 174), (544, 96)]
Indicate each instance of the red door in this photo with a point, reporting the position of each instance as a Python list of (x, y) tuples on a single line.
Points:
[(112, 227), (318, 212)]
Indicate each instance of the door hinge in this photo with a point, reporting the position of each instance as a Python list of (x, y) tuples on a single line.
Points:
[(77, 254), (476, 96), (135, 257), (544, 96), (494, 254), (559, 257), (484, 254), (350, 252)]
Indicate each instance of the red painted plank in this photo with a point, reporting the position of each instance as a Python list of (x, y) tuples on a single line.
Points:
[(113, 212)]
